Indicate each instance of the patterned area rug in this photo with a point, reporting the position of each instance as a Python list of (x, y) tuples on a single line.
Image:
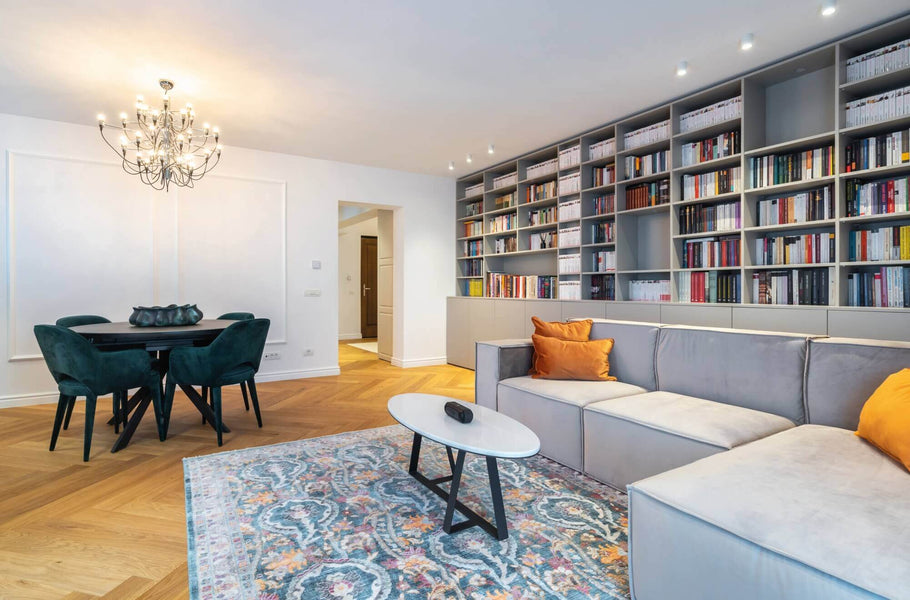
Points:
[(339, 517)]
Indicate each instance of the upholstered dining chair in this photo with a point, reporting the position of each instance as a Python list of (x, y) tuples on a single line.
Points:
[(119, 401), (81, 369), (232, 316)]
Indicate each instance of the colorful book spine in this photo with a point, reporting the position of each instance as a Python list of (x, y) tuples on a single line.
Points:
[(879, 243), (804, 207), (502, 285), (810, 248), (711, 252), (713, 148), (775, 169), (877, 197), (709, 287), (709, 218), (715, 183), (797, 287), (887, 287), (603, 287), (648, 194)]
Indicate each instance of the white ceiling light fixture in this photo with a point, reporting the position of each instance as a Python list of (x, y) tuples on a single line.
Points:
[(682, 68), (490, 149), (164, 147), (829, 7), (469, 159), (747, 42), (451, 165)]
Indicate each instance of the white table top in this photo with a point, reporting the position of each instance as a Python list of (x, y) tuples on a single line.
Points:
[(489, 434)]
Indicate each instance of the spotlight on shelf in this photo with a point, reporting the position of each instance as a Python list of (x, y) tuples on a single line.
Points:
[(490, 149), (747, 42), (451, 165), (829, 7), (682, 68), (469, 159)]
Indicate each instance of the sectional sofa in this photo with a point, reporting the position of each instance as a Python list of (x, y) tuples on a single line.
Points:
[(737, 449)]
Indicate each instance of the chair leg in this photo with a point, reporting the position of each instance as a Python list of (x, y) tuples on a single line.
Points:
[(117, 411), (157, 403), (205, 398), (168, 403), (63, 406), (69, 412), (90, 402), (255, 398), (246, 400), (216, 402)]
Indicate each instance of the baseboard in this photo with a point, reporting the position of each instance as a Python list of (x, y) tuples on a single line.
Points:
[(299, 374), (349, 336), (418, 362), (29, 399)]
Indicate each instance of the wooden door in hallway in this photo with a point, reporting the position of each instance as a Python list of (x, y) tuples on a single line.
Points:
[(368, 285)]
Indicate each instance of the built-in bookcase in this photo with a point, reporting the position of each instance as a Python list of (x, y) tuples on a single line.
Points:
[(797, 171)]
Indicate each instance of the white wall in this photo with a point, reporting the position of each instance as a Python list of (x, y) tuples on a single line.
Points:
[(81, 236), (349, 292)]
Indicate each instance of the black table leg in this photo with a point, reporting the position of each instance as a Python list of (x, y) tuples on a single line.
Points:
[(142, 400), (499, 510), (203, 407), (131, 404)]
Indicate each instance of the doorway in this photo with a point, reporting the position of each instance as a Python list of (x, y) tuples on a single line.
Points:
[(369, 276)]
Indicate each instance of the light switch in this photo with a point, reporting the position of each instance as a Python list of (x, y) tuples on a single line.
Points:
[(312, 293), (317, 264)]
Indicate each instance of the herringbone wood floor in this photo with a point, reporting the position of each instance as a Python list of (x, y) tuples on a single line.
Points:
[(115, 527)]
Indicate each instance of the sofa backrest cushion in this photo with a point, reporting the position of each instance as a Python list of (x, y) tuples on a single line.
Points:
[(632, 357), (753, 369), (842, 374)]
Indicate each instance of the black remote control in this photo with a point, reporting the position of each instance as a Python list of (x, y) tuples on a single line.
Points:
[(458, 412)]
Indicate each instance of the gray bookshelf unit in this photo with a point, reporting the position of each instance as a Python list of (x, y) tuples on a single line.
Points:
[(796, 105)]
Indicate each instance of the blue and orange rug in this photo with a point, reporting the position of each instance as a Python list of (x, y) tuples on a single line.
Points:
[(339, 518)]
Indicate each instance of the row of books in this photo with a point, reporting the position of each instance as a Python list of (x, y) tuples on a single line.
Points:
[(705, 185), (604, 175), (602, 233), (503, 223), (501, 285), (603, 261), (720, 146), (541, 240), (604, 204), (569, 263), (813, 205), (473, 209), (540, 191), (570, 290), (505, 180), (542, 216), (646, 135), (810, 248), (648, 194), (570, 157), (879, 107), (571, 210), (602, 149), (505, 245), (798, 287), (888, 287), (603, 287), (774, 169), (472, 228), (542, 168), (711, 252), (886, 150), (718, 112), (882, 243), (709, 286), (505, 201), (472, 248), (649, 290), (472, 287), (570, 237), (472, 268), (708, 218), (877, 197), (649, 164), (570, 184), (473, 190), (879, 61)]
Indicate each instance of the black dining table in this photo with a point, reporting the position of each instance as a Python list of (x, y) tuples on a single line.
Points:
[(159, 341)]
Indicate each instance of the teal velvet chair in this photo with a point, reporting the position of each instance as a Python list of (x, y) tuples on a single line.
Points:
[(80, 369), (231, 359), (232, 316)]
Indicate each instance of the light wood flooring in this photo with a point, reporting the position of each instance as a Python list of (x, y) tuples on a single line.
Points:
[(115, 527)]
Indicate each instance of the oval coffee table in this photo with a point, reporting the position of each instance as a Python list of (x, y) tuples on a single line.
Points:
[(490, 434)]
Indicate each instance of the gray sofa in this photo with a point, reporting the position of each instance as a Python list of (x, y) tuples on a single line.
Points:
[(744, 477)]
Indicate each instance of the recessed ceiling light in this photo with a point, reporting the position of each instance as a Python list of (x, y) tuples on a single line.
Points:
[(490, 149), (747, 42), (829, 7), (469, 159), (451, 165), (682, 68)]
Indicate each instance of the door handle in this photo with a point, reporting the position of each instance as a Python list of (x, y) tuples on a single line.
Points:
[(365, 288)]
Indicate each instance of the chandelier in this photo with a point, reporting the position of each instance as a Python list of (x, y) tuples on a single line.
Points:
[(163, 147)]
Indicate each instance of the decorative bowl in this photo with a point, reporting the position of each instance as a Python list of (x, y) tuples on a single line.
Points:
[(165, 316)]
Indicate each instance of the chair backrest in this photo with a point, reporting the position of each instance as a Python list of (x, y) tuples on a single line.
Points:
[(238, 316), (76, 320), (240, 344), (68, 355)]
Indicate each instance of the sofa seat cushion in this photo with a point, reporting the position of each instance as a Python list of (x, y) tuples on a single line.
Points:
[(813, 495), (574, 392), (722, 425)]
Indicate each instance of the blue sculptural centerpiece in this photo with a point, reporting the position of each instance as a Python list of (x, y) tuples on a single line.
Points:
[(165, 316)]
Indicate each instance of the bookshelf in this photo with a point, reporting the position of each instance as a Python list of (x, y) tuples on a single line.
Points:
[(737, 187)]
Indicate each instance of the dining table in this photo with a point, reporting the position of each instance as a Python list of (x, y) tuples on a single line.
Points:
[(158, 341)]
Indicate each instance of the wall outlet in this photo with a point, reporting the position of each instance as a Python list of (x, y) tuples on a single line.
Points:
[(271, 356), (317, 264), (312, 293), (308, 352)]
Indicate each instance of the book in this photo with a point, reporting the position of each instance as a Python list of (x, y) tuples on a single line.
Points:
[(542, 168), (536, 192), (798, 287), (713, 148), (649, 290), (709, 218), (504, 245), (879, 243), (473, 228), (714, 183), (502, 223), (473, 190), (603, 261), (641, 166), (570, 290), (602, 149), (542, 240), (803, 249), (603, 287), (505, 201), (880, 107), (570, 184), (570, 237), (472, 287), (646, 135), (718, 251), (505, 180), (472, 248), (892, 57), (604, 204), (570, 157), (886, 150), (709, 287), (570, 211), (472, 267), (569, 264), (603, 175), (603, 232), (886, 287), (502, 285), (648, 194), (473, 209), (542, 216), (712, 114), (887, 196), (803, 207), (775, 169)]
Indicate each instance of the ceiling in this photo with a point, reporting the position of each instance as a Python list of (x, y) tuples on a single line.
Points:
[(405, 85)]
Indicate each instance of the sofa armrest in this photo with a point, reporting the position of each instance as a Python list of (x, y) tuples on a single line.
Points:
[(498, 360)]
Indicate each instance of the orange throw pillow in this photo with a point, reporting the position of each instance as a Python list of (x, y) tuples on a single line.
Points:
[(562, 359), (576, 331), (885, 419)]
